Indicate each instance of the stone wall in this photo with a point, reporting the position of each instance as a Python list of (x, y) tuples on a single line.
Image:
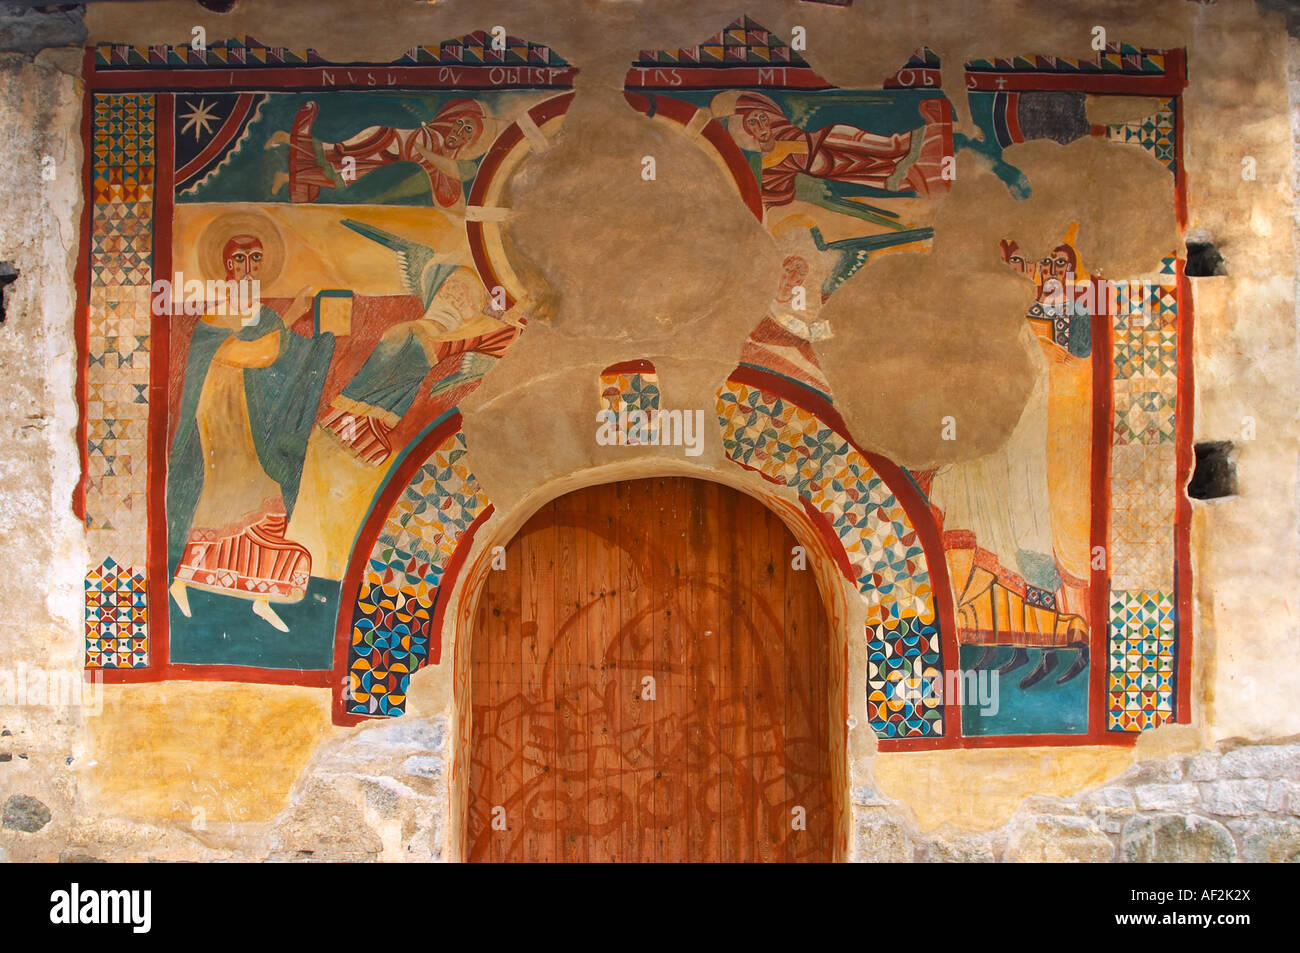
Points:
[(1237, 802)]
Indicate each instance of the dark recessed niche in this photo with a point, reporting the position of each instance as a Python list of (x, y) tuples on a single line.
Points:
[(1204, 260), (1215, 475), (8, 275)]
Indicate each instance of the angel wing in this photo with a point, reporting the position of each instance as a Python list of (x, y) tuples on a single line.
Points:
[(472, 366), (422, 273)]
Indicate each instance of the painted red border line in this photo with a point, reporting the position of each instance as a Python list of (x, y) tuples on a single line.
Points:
[(679, 110), (542, 113), (81, 320), (1103, 430), (640, 366), (321, 77), (1183, 432), (675, 76), (1180, 164), (1169, 83)]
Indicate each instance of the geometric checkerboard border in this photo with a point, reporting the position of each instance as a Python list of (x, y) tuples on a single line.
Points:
[(791, 446), (118, 326), (392, 621), (117, 617), (1142, 653), (1142, 646)]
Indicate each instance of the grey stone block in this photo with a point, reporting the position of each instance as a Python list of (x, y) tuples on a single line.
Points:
[(1059, 840), (30, 30), (1202, 767), (1268, 841), (1166, 797), (1110, 807), (1235, 798), (1153, 772), (27, 814), (881, 838), (423, 766), (421, 734), (958, 849), (1261, 761), (1175, 838)]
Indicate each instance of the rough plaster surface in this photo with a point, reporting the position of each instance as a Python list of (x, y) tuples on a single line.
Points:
[(384, 792), (960, 308)]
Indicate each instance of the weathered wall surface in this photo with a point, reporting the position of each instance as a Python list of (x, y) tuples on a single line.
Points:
[(218, 770)]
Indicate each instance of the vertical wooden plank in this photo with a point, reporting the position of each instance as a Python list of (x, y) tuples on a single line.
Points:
[(807, 717), (567, 777), (635, 647), (687, 634), (506, 615), (661, 593), (697, 665), (772, 818), (799, 717), (819, 649), (670, 527), (536, 553), (604, 793), (482, 757), (729, 834)]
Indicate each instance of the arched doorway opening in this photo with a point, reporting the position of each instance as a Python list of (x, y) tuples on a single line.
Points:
[(651, 679)]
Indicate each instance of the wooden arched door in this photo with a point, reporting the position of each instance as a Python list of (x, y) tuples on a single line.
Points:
[(649, 678)]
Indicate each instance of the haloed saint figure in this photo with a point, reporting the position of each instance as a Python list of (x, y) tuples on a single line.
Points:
[(251, 390)]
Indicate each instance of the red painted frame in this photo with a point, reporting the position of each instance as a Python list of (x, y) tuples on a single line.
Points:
[(1169, 83), (165, 84), (395, 484)]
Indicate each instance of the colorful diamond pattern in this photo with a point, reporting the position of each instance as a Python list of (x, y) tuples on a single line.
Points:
[(625, 391), (1155, 134), (392, 623), (117, 617), (791, 446), (1115, 58), (118, 326), (1143, 503), (744, 42), (1142, 659), (473, 49)]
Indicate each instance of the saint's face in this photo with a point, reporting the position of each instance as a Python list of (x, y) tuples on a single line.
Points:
[(458, 294), (1059, 264), (463, 132), (243, 258), (759, 127), (793, 272), (1016, 261)]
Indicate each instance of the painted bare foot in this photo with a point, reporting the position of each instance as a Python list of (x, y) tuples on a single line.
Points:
[(181, 594), (278, 138), (262, 609), (280, 180)]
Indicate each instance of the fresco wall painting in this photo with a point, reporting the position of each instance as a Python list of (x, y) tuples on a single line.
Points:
[(284, 495)]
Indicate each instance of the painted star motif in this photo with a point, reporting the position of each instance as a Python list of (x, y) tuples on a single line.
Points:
[(200, 118)]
